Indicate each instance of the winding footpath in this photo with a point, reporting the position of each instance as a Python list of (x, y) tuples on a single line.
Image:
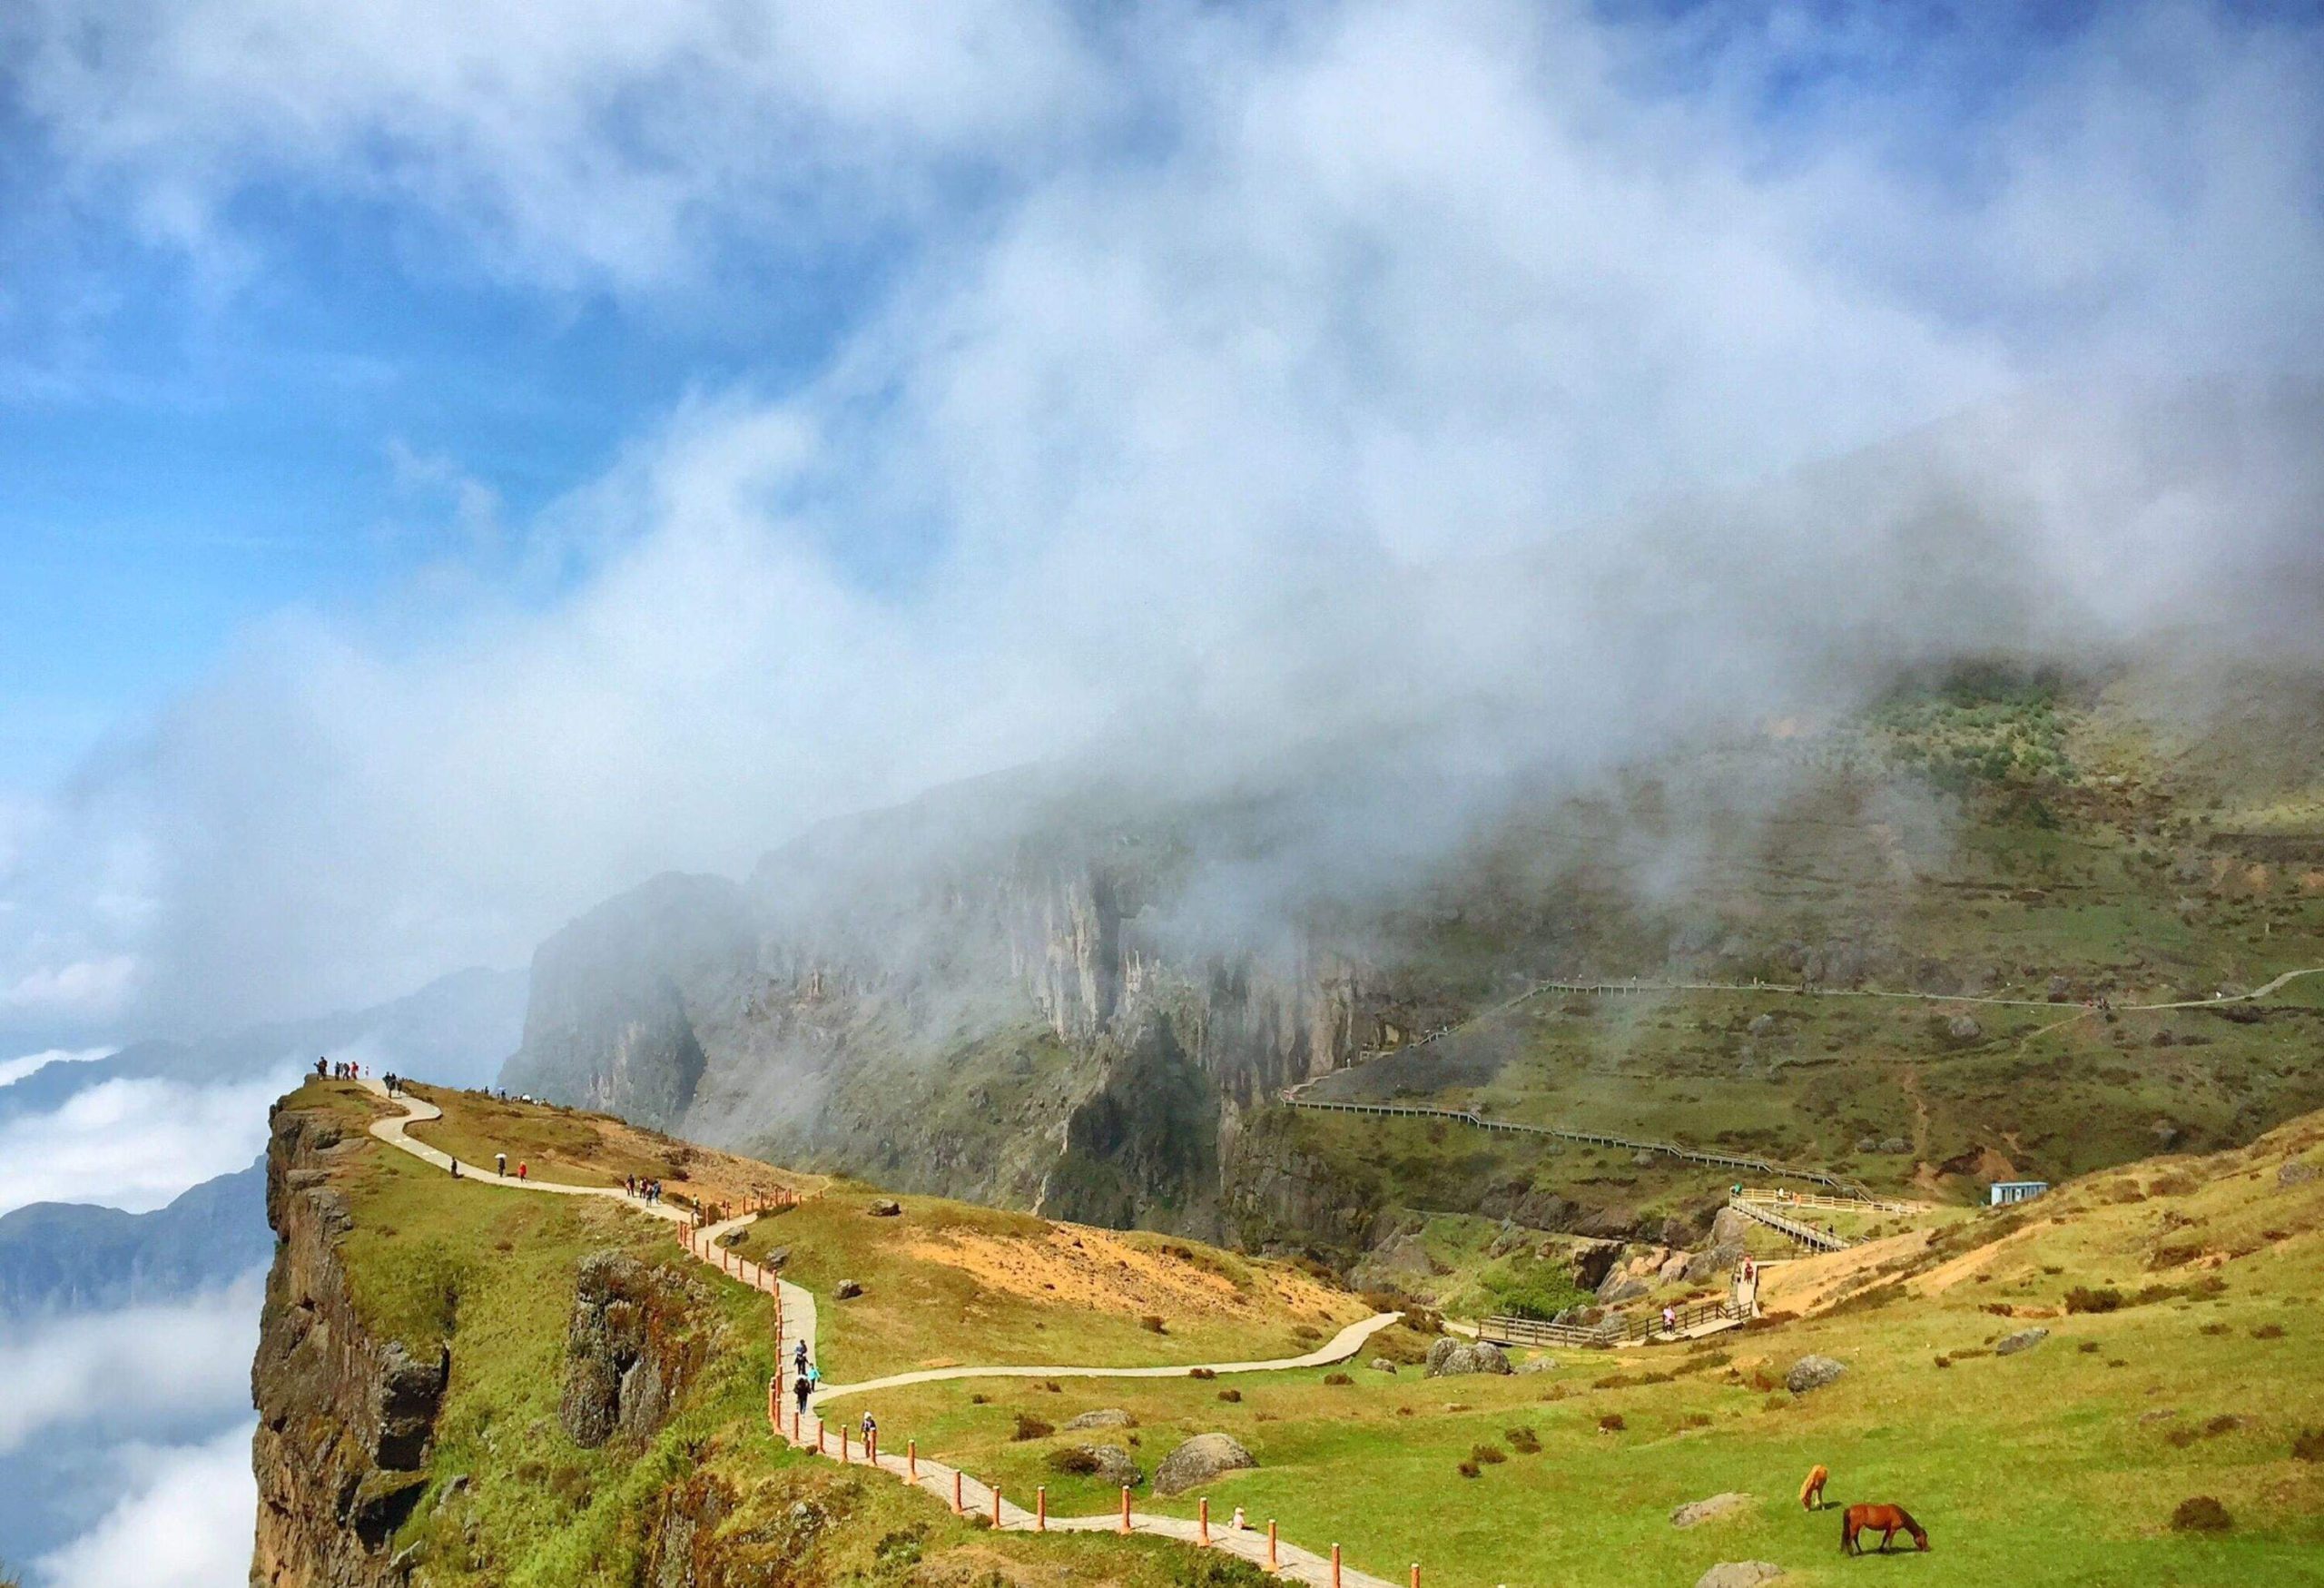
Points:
[(795, 1314)]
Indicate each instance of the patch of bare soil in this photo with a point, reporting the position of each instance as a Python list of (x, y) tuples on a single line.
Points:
[(1809, 1285)]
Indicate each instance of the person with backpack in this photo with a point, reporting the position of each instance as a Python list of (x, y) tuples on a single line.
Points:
[(500, 1163), (800, 1388)]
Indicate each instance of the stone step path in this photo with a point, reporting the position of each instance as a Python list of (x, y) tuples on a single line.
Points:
[(796, 1309)]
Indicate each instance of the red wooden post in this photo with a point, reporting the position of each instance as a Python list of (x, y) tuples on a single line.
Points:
[(996, 1507), (1415, 1574), (871, 1448), (843, 1445), (1202, 1525), (1124, 1507), (819, 1431), (912, 1459), (1271, 1559), (1041, 1508), (774, 1413), (1335, 1566), (957, 1506)]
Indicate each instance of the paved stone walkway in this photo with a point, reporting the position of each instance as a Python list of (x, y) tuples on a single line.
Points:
[(839, 1442)]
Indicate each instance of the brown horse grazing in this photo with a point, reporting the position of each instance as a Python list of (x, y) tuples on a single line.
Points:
[(1811, 1493), (1890, 1520)]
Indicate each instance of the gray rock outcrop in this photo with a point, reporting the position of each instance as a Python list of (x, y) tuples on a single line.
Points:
[(1696, 1512), (626, 1355), (1813, 1373), (1739, 1574), (2023, 1340), (1199, 1460), (1105, 1417), (1449, 1357)]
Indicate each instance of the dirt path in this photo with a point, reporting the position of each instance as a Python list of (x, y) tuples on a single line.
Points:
[(807, 1431)]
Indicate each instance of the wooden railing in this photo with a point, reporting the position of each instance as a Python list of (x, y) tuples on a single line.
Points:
[(1817, 1199), (1805, 1234), (1614, 1330)]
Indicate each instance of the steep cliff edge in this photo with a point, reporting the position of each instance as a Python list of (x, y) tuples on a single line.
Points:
[(345, 1416)]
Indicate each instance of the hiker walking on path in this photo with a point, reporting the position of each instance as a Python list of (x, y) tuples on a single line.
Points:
[(799, 1356), (871, 1432), (500, 1163), (801, 1389), (1670, 1319), (520, 1169)]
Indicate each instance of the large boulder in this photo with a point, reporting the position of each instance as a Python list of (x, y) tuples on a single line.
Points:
[(1709, 1264), (1739, 1574), (1622, 1287), (2295, 1171), (2023, 1340), (1961, 1028), (1539, 1365), (884, 1207), (1197, 1460), (1104, 1417), (1592, 1263), (1729, 1227), (1813, 1373), (1696, 1512), (1674, 1269), (846, 1290), (1448, 1357)]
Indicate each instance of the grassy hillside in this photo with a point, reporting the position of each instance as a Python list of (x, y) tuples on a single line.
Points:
[(489, 1273), (2203, 1376)]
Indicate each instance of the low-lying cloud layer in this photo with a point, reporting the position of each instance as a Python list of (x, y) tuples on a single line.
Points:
[(183, 1520), (1348, 367), (134, 1144)]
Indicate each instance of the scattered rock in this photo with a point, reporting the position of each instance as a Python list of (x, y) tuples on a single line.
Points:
[(1700, 1510), (1868, 1144), (884, 1207), (1895, 1144), (1729, 1228), (1813, 1373), (2160, 1414), (1382, 1365), (1448, 1357), (1197, 1460), (1591, 1264), (1673, 1269), (1110, 1463), (846, 1290), (1762, 1025), (1622, 1287), (2295, 1171), (779, 1256), (2023, 1340), (1539, 1365), (1642, 1158), (1105, 1417), (1739, 1574), (1961, 1028)]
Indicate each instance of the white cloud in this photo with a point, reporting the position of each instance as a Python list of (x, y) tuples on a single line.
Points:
[(135, 1143), (1230, 349), (15, 1069), (132, 1370), (186, 1522)]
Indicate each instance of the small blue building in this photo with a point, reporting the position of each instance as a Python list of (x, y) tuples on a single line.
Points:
[(2005, 1191)]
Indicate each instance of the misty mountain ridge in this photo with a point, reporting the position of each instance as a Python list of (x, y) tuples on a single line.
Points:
[(61, 1258)]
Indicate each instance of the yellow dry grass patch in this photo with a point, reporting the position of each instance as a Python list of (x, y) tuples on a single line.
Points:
[(1078, 1265)]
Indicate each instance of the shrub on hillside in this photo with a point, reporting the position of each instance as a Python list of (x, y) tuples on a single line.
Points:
[(1611, 1423), (1230, 1394), (1470, 1469), (2083, 1298), (1338, 1379), (1152, 1322), (1076, 1460), (1030, 1427), (2270, 1331), (1488, 1455), (2308, 1445), (2201, 1514), (1204, 1373), (1526, 1442)]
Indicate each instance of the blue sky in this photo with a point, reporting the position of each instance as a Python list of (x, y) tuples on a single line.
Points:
[(454, 462)]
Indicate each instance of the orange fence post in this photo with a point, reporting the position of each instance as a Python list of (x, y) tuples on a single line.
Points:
[(1335, 1566), (957, 1507), (843, 1445), (1124, 1507), (774, 1413), (819, 1431), (1271, 1559), (996, 1507), (1415, 1574), (1041, 1508), (871, 1448), (912, 1459), (1202, 1525)]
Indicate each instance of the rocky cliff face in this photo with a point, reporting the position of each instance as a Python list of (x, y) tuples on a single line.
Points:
[(344, 1417), (949, 1014)]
